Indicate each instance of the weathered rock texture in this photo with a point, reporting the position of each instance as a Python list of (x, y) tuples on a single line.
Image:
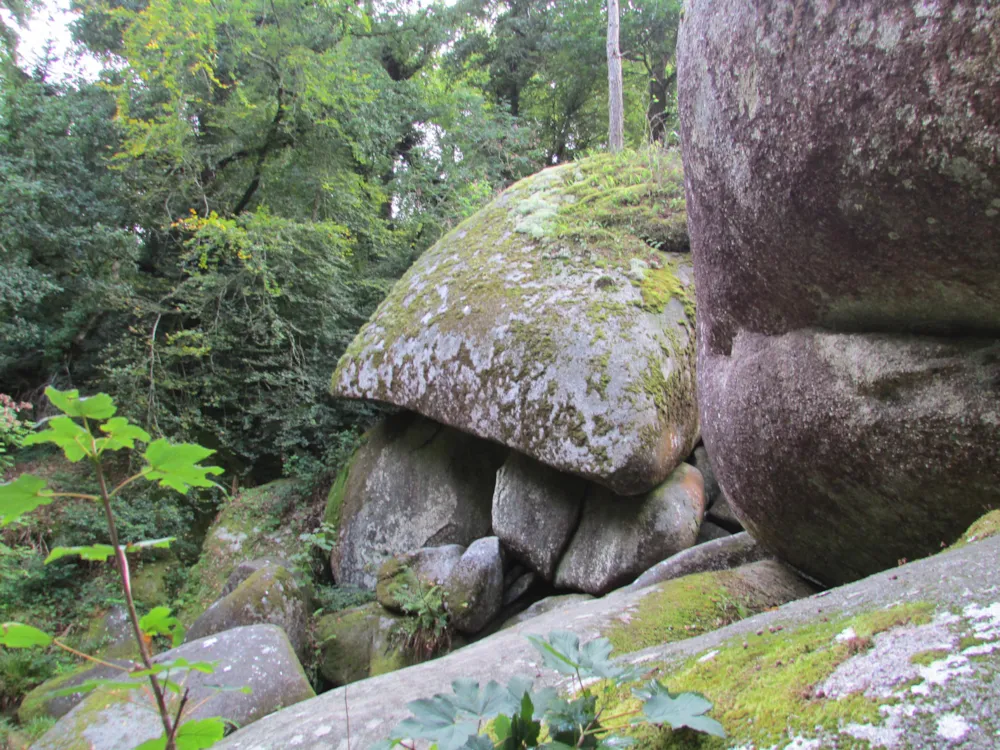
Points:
[(787, 650), (535, 511), (620, 537), (473, 592), (550, 323), (415, 483), (270, 596), (843, 197), (258, 657), (719, 554)]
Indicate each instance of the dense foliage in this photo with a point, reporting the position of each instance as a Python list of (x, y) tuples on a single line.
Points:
[(201, 230)]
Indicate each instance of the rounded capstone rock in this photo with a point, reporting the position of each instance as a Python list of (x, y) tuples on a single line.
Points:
[(558, 321)]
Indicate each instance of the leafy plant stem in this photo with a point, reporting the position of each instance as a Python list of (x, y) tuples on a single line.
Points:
[(169, 726), (76, 495), (88, 657), (125, 484)]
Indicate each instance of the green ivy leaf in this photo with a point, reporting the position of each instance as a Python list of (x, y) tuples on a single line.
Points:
[(69, 403), (22, 496), (76, 442), (177, 467), (683, 710), (120, 434), (16, 635), (159, 621), (93, 553)]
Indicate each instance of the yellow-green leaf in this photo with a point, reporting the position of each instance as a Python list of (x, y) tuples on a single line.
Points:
[(22, 496)]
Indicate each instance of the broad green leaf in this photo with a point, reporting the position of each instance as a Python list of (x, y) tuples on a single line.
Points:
[(22, 496), (75, 441), (436, 719), (69, 403), (120, 434), (93, 553), (177, 467), (16, 635), (89, 685), (159, 621), (159, 743), (163, 543), (486, 703), (683, 710), (478, 742), (569, 719), (562, 652), (197, 735)]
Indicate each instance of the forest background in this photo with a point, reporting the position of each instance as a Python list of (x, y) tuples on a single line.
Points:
[(200, 228)]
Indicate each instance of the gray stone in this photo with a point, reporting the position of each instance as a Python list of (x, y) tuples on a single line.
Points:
[(414, 483), (247, 568), (535, 511), (40, 703), (548, 604), (722, 514), (700, 460), (545, 339), (474, 591), (720, 554), (709, 532), (360, 642), (619, 537), (269, 596), (964, 580), (417, 570), (258, 657), (848, 313), (518, 588)]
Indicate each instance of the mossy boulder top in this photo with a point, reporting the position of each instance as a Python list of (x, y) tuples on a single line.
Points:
[(558, 320)]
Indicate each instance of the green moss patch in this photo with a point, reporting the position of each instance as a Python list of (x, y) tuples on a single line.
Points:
[(687, 607), (763, 687), (984, 528)]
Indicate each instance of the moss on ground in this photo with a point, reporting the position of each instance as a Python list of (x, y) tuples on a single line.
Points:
[(763, 687), (985, 527), (684, 608)]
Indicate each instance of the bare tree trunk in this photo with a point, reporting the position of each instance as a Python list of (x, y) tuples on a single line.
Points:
[(616, 110)]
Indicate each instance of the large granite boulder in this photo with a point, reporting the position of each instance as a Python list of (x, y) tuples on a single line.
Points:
[(473, 591), (843, 197), (415, 483), (558, 320), (620, 537), (258, 657)]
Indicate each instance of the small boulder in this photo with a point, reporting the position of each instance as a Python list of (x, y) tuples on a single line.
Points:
[(710, 532), (247, 568), (727, 552), (258, 657), (619, 537), (474, 591), (345, 642), (700, 460), (414, 483), (415, 571), (535, 511), (518, 588), (721, 513), (40, 703), (269, 596)]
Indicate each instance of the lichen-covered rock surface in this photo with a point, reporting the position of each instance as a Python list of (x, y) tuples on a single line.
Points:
[(558, 320), (414, 483), (843, 196), (258, 657), (767, 676), (620, 537), (269, 596)]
